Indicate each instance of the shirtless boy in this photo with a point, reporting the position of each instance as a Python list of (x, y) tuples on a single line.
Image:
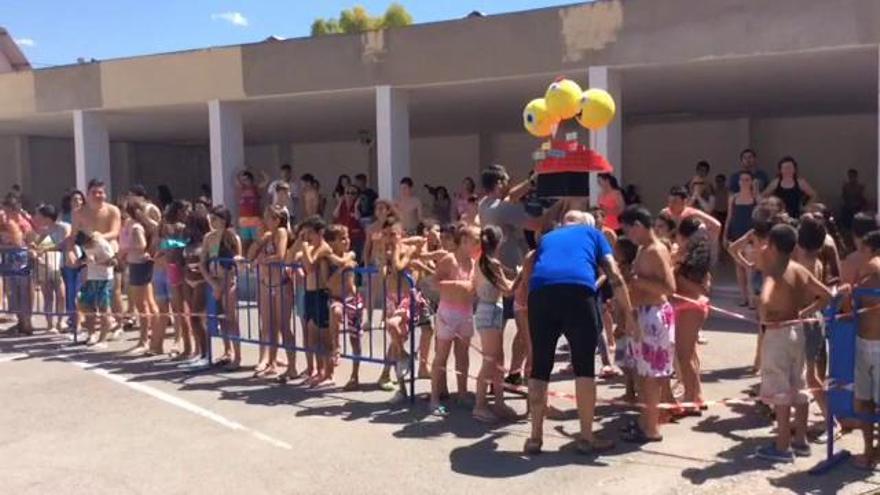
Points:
[(104, 219), (399, 302), (810, 242), (346, 304), (790, 292), (315, 253), (408, 206), (653, 346), (867, 372)]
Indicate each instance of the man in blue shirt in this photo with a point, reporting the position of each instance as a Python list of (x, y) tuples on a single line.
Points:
[(748, 159)]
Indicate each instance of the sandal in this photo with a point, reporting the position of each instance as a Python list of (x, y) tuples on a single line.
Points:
[(351, 386), (532, 446), (223, 361), (484, 416), (440, 411), (596, 446), (638, 436)]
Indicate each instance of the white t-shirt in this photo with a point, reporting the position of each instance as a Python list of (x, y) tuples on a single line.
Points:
[(294, 192), (98, 257)]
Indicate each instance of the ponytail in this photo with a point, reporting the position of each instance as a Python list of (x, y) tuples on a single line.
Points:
[(490, 238)]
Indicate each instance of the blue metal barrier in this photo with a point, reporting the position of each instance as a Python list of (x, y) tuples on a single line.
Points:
[(252, 280), (22, 271), (841, 334)]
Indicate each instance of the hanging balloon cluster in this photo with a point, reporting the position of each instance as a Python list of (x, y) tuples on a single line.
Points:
[(563, 166)]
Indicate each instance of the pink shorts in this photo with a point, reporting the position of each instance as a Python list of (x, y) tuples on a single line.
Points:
[(454, 321), (175, 274)]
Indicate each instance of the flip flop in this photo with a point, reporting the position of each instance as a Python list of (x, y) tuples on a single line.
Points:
[(596, 446), (532, 446), (638, 436)]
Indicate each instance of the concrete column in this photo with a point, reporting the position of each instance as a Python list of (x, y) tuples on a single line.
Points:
[(227, 151), (91, 149), (608, 141), (392, 139)]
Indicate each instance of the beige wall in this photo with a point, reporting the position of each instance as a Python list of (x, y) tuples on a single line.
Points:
[(824, 146), (52, 165), (657, 155), (14, 157), (194, 76), (182, 168), (17, 94)]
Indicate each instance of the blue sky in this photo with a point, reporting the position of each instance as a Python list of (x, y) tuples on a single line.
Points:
[(54, 32)]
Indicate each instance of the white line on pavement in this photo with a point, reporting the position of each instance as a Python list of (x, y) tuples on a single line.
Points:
[(177, 401), (5, 358)]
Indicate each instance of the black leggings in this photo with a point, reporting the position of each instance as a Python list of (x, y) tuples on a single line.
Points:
[(563, 309)]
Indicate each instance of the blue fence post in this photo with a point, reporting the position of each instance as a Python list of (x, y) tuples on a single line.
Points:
[(71, 281), (211, 321), (412, 336)]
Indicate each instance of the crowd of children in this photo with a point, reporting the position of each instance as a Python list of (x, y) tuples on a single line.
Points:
[(650, 283)]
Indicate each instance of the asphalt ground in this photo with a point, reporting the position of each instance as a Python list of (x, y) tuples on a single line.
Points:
[(80, 421)]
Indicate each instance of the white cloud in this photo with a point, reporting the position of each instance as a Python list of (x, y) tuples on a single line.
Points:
[(234, 18), (25, 42)]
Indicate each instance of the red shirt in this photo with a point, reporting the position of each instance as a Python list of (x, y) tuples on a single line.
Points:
[(249, 202)]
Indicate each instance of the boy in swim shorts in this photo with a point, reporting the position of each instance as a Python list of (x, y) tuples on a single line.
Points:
[(867, 366), (790, 293), (97, 291), (653, 345), (346, 304)]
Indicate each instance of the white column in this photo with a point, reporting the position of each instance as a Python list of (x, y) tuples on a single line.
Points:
[(227, 151), (392, 139), (608, 141), (92, 149)]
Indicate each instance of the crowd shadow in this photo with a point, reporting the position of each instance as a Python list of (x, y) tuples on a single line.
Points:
[(484, 457)]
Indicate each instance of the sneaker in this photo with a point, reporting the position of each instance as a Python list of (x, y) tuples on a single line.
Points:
[(801, 450), (771, 453), (98, 346), (195, 364), (116, 335)]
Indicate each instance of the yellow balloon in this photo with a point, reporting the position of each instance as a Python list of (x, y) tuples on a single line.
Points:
[(537, 120), (597, 109), (563, 98)]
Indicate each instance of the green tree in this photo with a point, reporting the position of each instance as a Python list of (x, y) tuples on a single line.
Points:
[(325, 26), (358, 20), (396, 16)]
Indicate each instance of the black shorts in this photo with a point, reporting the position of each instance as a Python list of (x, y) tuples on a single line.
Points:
[(140, 274), (563, 309), (508, 308), (317, 308)]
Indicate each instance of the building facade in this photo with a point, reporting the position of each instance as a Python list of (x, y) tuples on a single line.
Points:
[(693, 81)]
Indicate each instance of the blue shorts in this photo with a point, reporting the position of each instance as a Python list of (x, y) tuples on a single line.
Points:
[(489, 316), (161, 287), (96, 294), (757, 282)]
